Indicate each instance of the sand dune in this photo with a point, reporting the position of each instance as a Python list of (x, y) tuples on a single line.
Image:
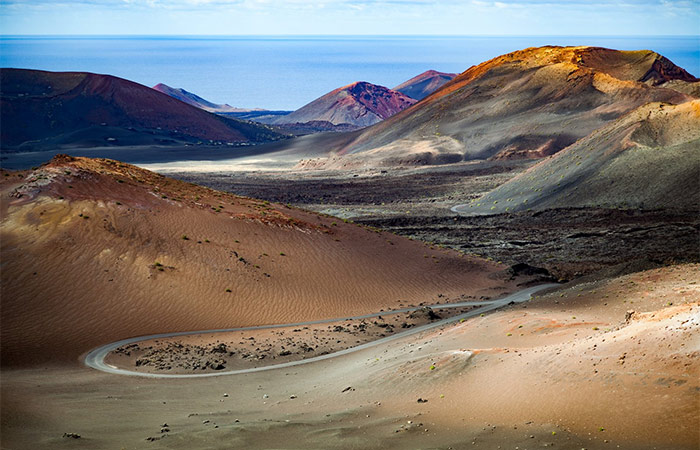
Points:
[(97, 250)]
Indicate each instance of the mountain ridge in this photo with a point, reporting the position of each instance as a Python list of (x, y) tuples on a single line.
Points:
[(525, 104), (199, 102), (359, 103), (42, 109), (424, 84)]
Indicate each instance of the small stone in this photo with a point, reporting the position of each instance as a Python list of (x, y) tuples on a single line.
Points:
[(292, 396), (72, 435)]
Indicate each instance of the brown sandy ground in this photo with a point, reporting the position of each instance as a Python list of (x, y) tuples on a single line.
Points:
[(416, 203), (95, 251), (573, 369), (258, 348)]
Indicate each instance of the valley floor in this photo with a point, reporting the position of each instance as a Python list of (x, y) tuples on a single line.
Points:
[(609, 360), (595, 365), (416, 202)]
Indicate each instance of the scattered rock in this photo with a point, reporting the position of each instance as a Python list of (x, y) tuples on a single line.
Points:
[(217, 365), (422, 400), (221, 348), (424, 312), (72, 435)]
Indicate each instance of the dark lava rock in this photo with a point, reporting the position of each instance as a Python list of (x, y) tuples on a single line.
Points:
[(528, 270), (221, 348)]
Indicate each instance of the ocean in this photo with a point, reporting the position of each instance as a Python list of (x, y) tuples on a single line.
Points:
[(285, 73)]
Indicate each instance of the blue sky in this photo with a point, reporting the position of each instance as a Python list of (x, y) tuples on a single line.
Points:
[(350, 17)]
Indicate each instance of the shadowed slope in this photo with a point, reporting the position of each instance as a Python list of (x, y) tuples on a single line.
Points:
[(96, 250), (649, 158), (526, 104), (48, 109)]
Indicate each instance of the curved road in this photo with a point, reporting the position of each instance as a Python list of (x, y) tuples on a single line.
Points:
[(96, 358), (458, 208)]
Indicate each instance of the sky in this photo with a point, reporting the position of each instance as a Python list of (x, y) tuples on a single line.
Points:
[(350, 17)]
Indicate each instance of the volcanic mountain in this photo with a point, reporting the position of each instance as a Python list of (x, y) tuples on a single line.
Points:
[(96, 250), (52, 109), (424, 84), (647, 159), (526, 104), (359, 104), (197, 101)]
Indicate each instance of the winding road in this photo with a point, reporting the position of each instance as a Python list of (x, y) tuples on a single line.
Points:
[(96, 358)]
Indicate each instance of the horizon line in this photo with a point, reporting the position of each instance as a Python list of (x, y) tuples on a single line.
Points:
[(66, 35)]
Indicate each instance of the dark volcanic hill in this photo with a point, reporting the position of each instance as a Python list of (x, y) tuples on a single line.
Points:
[(424, 84), (360, 104), (43, 110), (526, 104), (199, 102)]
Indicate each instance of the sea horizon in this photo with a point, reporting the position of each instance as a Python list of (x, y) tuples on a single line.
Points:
[(285, 72)]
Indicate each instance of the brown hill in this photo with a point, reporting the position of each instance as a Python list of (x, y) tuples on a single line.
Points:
[(48, 109), (526, 104), (96, 250), (197, 101), (424, 84), (646, 159), (360, 104)]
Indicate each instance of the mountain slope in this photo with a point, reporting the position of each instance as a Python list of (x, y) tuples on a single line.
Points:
[(48, 109), (97, 250), (648, 159), (529, 103), (424, 84), (197, 101), (360, 104)]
